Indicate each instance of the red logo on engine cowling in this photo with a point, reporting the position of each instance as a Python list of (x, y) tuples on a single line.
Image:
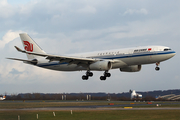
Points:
[(28, 46)]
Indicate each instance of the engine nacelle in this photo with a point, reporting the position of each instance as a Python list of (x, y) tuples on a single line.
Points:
[(132, 68), (32, 62), (36, 61), (101, 65)]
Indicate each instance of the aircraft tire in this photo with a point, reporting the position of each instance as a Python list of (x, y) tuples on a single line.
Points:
[(84, 77), (90, 74), (157, 68), (102, 78), (108, 74)]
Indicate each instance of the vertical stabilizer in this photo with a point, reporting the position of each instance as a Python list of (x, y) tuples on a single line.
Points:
[(133, 94), (30, 45)]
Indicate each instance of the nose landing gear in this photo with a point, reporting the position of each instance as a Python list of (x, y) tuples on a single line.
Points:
[(157, 68)]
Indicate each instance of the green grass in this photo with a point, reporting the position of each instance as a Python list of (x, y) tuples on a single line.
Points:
[(12, 113), (93, 115)]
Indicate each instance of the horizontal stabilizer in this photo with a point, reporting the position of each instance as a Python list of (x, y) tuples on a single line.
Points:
[(26, 61), (18, 49)]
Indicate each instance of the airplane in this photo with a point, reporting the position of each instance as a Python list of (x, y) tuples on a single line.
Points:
[(3, 98), (134, 94), (127, 59)]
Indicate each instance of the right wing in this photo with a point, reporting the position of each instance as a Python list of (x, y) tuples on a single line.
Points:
[(68, 59)]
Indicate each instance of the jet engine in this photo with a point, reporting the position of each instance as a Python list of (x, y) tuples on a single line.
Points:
[(132, 68), (36, 61), (101, 65)]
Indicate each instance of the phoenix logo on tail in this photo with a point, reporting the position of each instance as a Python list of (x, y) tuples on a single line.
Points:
[(28, 46)]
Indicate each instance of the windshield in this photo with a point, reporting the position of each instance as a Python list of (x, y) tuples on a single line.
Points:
[(167, 49)]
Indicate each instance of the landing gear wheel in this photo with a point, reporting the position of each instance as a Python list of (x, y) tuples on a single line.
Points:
[(84, 77), (90, 74), (157, 68), (107, 74), (102, 78)]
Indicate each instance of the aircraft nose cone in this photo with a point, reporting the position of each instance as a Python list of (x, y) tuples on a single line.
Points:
[(173, 53)]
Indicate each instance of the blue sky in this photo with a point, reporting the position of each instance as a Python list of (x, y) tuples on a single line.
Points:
[(68, 26)]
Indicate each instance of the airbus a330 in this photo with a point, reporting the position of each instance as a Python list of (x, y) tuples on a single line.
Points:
[(127, 60)]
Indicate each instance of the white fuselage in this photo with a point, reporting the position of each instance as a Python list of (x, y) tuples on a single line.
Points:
[(124, 58)]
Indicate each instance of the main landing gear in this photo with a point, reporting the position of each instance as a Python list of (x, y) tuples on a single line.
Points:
[(88, 74), (106, 74), (157, 68)]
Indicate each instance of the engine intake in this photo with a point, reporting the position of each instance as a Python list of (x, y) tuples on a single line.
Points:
[(132, 68), (101, 65)]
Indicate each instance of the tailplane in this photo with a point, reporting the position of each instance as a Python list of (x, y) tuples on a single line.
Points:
[(30, 45)]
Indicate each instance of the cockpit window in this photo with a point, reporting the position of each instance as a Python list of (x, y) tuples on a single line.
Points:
[(166, 49)]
